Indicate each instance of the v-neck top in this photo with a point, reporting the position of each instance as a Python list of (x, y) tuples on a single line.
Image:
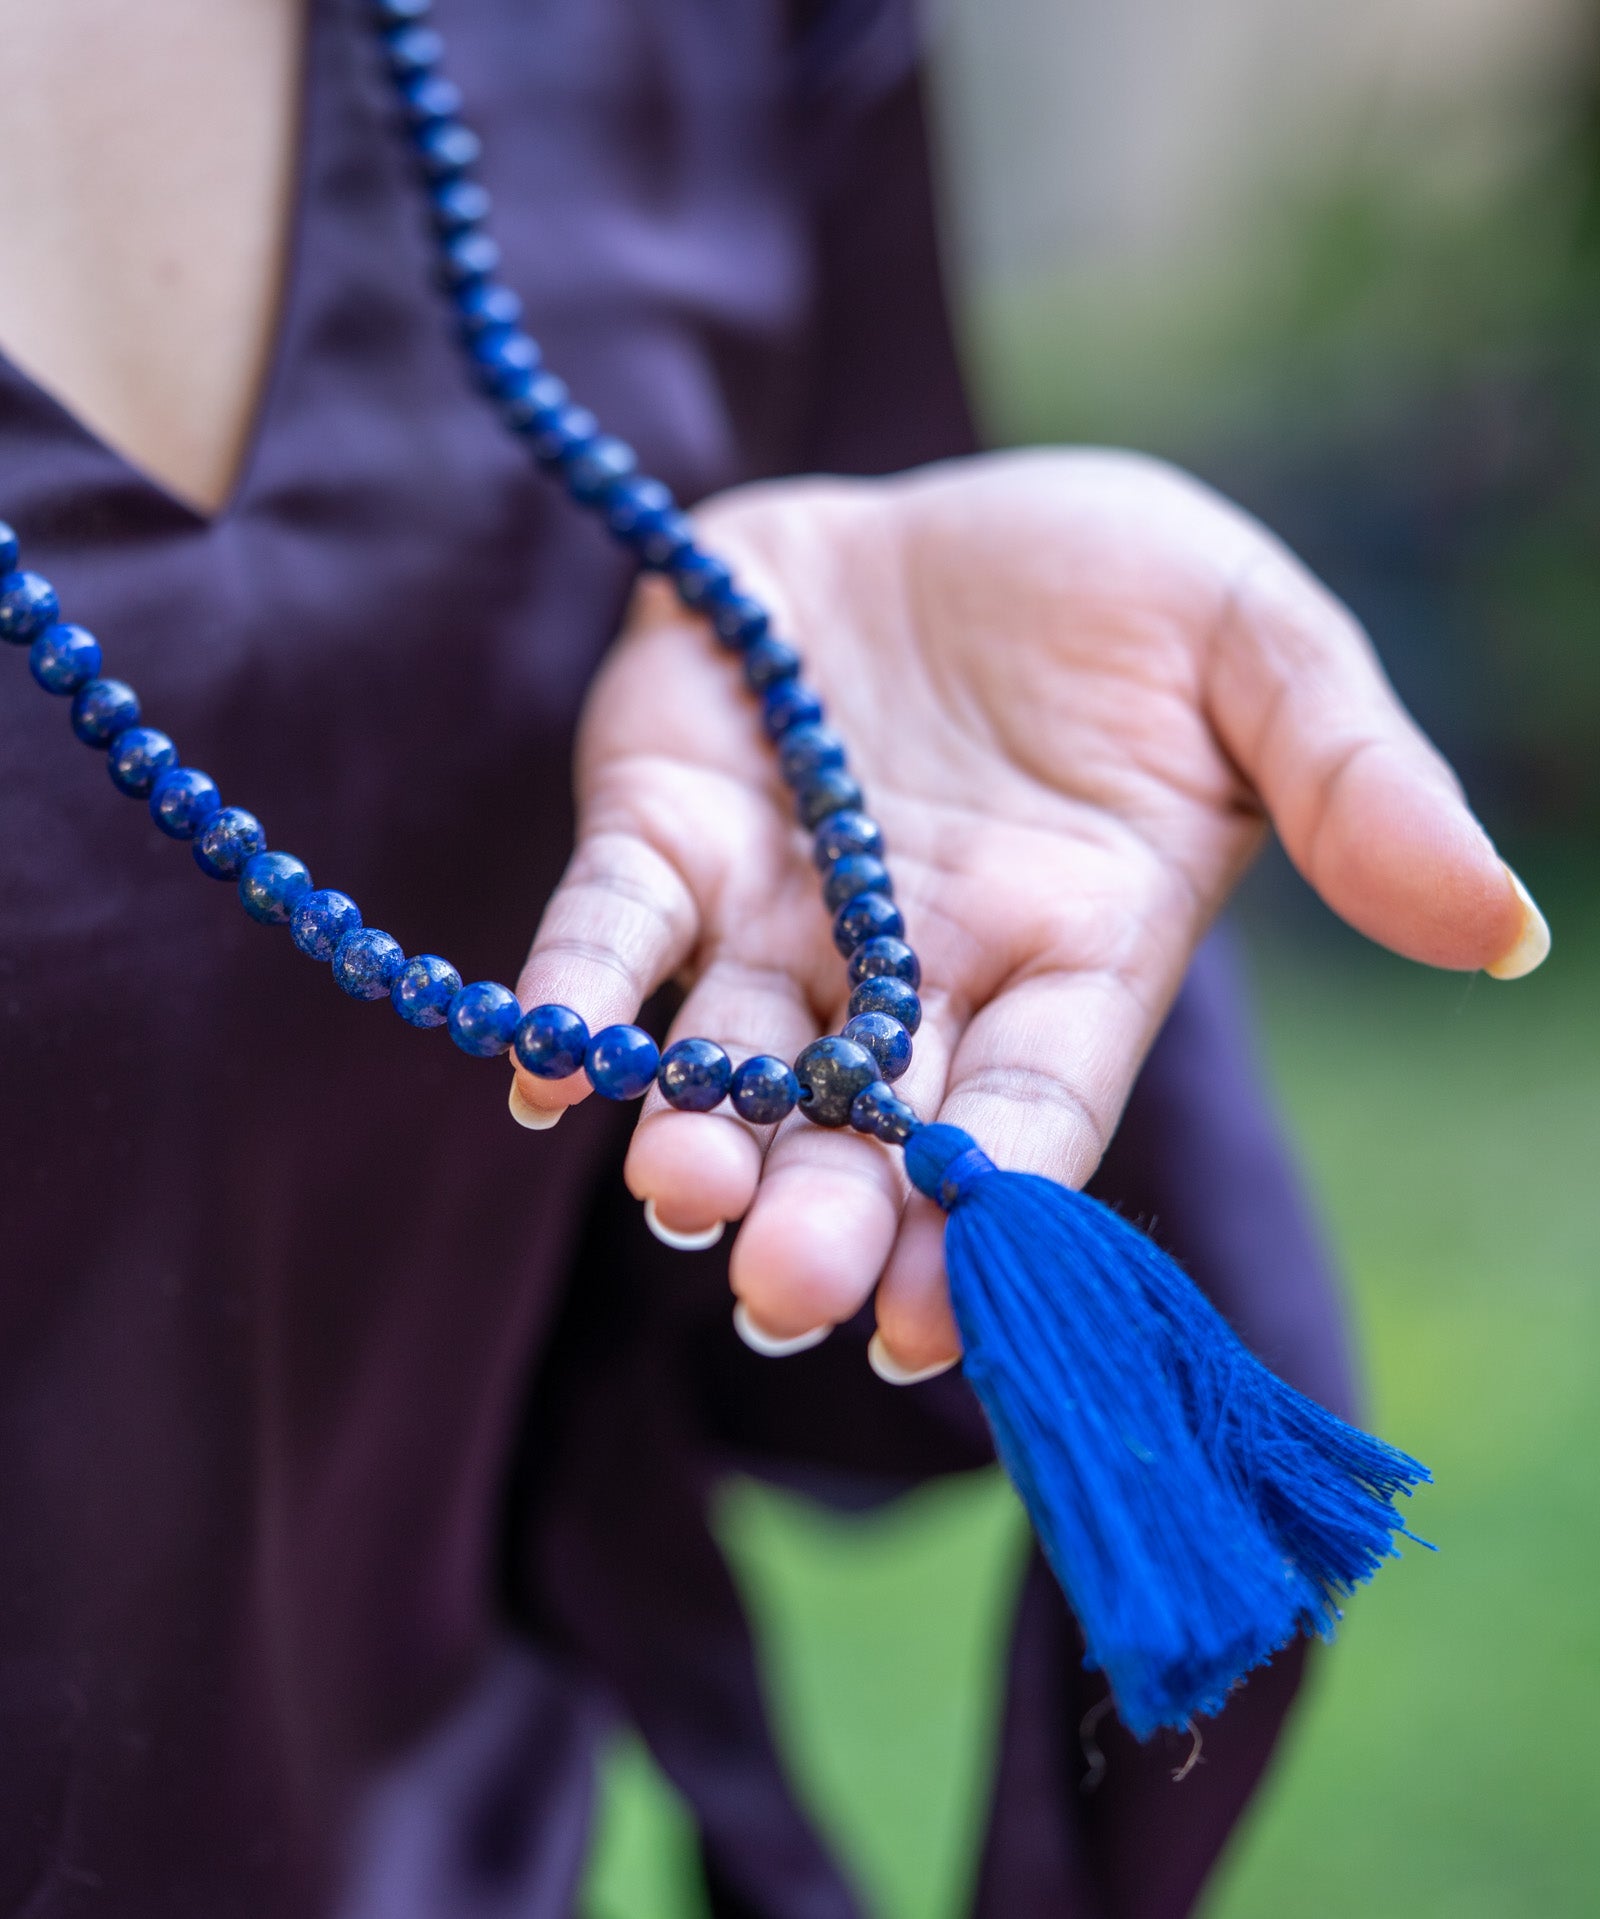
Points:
[(312, 1366)]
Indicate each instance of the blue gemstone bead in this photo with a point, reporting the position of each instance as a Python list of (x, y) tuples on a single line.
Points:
[(767, 661), (694, 1075), (562, 434), (592, 472), (226, 841), (535, 408), (63, 658), (843, 833), (506, 359), (884, 993), (101, 709), (789, 703), (636, 506), (429, 97), (446, 148), (321, 918), (832, 791), (10, 548), (459, 204), (877, 957), (764, 1090), (663, 544), (739, 621), (831, 1072), (885, 1039), (270, 886), (877, 1112), (621, 1062), (807, 750), (138, 757), (855, 873), (466, 257), (413, 50), (486, 304), (423, 990), (484, 1019), (366, 963), (868, 916), (700, 577), (28, 604), (183, 800), (551, 1042), (400, 13)]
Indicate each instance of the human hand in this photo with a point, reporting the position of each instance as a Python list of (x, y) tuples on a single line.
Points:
[(1075, 686)]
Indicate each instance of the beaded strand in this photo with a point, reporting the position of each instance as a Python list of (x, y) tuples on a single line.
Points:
[(838, 1080)]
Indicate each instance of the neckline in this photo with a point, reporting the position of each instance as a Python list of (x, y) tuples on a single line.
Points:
[(285, 329)]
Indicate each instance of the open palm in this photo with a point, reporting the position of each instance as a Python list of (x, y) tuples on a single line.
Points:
[(1075, 686)]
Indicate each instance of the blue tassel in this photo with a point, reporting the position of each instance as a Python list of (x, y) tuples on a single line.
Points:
[(1198, 1512)]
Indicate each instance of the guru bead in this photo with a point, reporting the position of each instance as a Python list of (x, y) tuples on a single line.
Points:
[(764, 1090), (226, 841), (63, 658), (694, 1075), (424, 989), (551, 1042), (484, 1018), (320, 920), (621, 1062), (867, 916), (367, 962), (182, 800), (28, 604), (138, 757), (885, 1039), (270, 886), (831, 1072)]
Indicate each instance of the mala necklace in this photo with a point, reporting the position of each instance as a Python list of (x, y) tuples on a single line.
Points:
[(1198, 1512)]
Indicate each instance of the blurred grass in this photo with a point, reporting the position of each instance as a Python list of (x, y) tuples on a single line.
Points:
[(1444, 1764)]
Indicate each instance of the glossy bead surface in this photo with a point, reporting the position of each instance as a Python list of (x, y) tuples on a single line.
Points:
[(804, 751), (101, 709), (468, 256), (505, 359), (400, 13), (885, 1039), (764, 1090), (226, 841), (10, 549), (321, 918), (447, 147), (183, 800), (877, 1112), (366, 963), (636, 505), (694, 1075), (413, 50), (832, 1071), (63, 658), (855, 873), (767, 661), (458, 204), (138, 756), (591, 473), (866, 916), (884, 993), (270, 886), (423, 990), (789, 703), (484, 1018), (532, 410), (429, 97), (878, 957), (844, 833), (739, 621), (28, 604), (831, 792), (621, 1062), (486, 304), (551, 1042), (662, 544), (562, 434), (700, 577)]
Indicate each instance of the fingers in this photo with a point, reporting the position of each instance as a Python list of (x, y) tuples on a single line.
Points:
[(621, 921), (1368, 811)]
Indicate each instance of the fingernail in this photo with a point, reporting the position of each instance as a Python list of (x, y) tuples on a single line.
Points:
[(893, 1373), (681, 1242), (533, 1117), (768, 1345), (1532, 945)]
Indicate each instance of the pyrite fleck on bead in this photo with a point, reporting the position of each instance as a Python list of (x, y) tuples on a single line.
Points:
[(694, 1075), (321, 918), (831, 1072)]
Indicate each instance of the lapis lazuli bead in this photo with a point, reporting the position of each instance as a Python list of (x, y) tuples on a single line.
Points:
[(621, 1062), (831, 791), (831, 1072), (536, 408), (636, 505), (867, 916), (459, 204), (876, 957), (767, 661), (447, 148), (226, 841), (182, 800), (700, 577), (506, 359), (63, 658), (10, 548), (424, 989), (885, 1039), (400, 13), (739, 621), (414, 50), (468, 256), (101, 709), (884, 993), (598, 467), (694, 1075), (841, 834), (430, 97), (484, 1018), (877, 1112), (270, 886), (662, 544), (764, 1090), (138, 756), (367, 962), (485, 304), (789, 703), (28, 604), (804, 751), (855, 873), (321, 918), (551, 1042), (562, 434)]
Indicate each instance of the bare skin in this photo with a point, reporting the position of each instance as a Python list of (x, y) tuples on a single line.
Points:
[(1077, 685)]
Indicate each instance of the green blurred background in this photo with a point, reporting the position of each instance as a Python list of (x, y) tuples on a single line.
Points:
[(1345, 264)]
